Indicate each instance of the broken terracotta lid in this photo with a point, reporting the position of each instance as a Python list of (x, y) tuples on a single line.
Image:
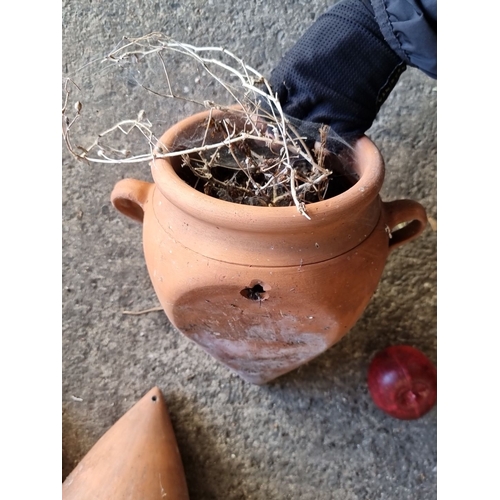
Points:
[(137, 458)]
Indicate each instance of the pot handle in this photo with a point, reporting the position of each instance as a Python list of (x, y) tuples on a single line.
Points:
[(400, 211), (129, 197)]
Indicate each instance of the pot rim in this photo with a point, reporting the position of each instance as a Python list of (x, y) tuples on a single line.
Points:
[(368, 164)]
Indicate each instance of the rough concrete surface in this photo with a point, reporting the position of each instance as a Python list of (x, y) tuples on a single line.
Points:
[(311, 434)]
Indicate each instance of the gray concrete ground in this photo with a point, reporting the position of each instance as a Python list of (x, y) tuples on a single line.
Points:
[(311, 434)]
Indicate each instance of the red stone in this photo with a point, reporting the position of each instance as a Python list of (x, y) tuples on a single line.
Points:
[(403, 382)]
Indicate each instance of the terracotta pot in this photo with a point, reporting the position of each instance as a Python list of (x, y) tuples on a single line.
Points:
[(137, 458), (263, 289)]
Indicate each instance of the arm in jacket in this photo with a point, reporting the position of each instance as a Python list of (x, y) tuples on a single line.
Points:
[(343, 68)]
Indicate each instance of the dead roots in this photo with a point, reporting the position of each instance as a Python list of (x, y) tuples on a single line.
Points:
[(253, 172), (264, 162)]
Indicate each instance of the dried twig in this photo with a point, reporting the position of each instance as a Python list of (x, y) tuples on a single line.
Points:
[(267, 177), (144, 311)]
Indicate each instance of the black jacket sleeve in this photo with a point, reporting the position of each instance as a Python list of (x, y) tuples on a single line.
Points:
[(343, 68)]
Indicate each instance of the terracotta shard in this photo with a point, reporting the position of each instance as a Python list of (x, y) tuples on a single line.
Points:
[(136, 459)]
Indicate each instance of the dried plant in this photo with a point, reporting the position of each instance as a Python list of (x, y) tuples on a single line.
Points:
[(264, 162)]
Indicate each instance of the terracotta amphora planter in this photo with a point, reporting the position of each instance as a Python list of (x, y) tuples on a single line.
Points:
[(137, 458), (263, 289)]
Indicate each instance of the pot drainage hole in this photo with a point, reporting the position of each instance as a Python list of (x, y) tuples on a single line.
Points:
[(257, 290)]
